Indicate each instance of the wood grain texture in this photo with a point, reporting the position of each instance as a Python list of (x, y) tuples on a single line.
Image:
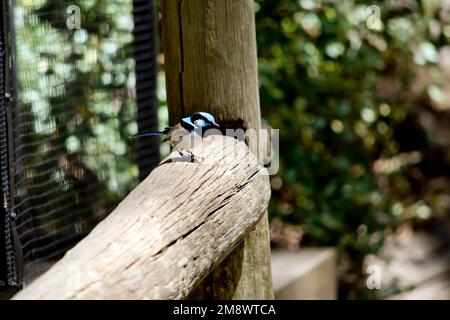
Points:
[(211, 65), (210, 59), (168, 233)]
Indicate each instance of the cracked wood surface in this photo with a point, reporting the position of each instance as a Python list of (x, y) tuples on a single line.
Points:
[(211, 65), (168, 233)]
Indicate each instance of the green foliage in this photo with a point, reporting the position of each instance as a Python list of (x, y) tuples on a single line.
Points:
[(77, 108), (350, 102)]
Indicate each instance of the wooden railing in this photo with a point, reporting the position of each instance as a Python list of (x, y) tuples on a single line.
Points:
[(190, 230), (169, 233)]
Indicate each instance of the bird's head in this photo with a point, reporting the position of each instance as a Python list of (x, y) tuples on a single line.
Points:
[(204, 120)]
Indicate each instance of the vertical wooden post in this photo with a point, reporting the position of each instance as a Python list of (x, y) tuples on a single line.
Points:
[(211, 65)]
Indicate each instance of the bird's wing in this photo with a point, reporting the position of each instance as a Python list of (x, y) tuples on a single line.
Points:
[(175, 133)]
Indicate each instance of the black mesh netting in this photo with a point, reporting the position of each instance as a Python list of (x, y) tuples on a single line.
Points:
[(79, 95)]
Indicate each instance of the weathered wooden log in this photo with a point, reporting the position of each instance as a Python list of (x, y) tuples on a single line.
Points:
[(211, 65), (168, 233)]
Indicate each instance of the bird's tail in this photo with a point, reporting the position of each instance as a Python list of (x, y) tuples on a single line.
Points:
[(147, 134)]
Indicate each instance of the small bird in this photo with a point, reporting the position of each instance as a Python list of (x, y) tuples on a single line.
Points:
[(194, 126)]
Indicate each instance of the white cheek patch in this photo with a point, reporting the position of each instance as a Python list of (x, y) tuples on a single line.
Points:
[(199, 123)]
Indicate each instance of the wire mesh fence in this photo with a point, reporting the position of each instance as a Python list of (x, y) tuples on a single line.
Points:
[(78, 94)]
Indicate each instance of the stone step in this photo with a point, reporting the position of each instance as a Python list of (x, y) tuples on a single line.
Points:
[(306, 274)]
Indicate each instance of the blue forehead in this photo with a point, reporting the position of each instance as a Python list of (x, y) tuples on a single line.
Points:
[(188, 121)]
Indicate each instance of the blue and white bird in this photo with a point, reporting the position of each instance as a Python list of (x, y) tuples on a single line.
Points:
[(194, 125)]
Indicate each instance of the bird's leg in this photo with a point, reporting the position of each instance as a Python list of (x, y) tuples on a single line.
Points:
[(184, 155), (195, 158), (192, 157)]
